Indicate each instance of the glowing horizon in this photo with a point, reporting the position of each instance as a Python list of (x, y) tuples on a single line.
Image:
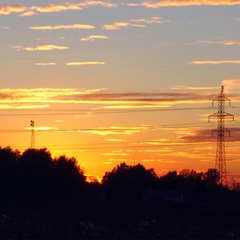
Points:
[(110, 82)]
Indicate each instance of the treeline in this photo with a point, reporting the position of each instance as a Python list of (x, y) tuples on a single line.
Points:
[(49, 198), (131, 182), (34, 174)]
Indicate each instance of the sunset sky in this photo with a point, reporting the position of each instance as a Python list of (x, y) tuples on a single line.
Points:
[(121, 81)]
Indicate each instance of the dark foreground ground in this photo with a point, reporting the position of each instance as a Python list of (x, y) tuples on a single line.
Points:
[(154, 219)]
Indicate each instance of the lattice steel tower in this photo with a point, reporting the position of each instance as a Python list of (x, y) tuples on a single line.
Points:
[(32, 144), (220, 163)]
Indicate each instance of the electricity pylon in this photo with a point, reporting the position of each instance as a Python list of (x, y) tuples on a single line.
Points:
[(32, 144), (220, 163)]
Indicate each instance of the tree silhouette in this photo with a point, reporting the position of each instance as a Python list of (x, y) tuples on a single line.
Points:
[(8, 168), (42, 197), (69, 178), (128, 182), (67, 168), (35, 173), (212, 177), (196, 186), (191, 179)]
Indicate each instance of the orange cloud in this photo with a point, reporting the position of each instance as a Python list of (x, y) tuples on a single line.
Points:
[(100, 3), (22, 106), (179, 131), (116, 25), (168, 161), (207, 135), (6, 9), (231, 42), (115, 140), (116, 130), (27, 14), (134, 23), (104, 131), (157, 150), (54, 8), (41, 128), (114, 154), (215, 62), (45, 64), (41, 94), (149, 21), (225, 42), (193, 88), (132, 101), (92, 38), (231, 85), (137, 105), (185, 3), (73, 26), (41, 48), (84, 63)]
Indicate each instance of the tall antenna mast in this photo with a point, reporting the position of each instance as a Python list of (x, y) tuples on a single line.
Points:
[(220, 163), (32, 144)]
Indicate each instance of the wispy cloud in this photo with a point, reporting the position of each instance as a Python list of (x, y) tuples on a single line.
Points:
[(138, 100), (6, 9), (27, 14), (84, 63), (47, 47), (116, 25), (180, 130), (23, 11), (114, 154), (157, 150), (4, 106), (73, 26), (185, 3), (215, 62), (41, 94), (232, 85), (208, 135), (193, 88), (120, 105), (230, 42), (115, 140), (167, 161), (94, 37), (170, 142), (45, 64), (105, 100), (140, 23), (204, 135), (148, 160), (150, 20), (42, 128), (116, 130), (225, 42), (56, 8)]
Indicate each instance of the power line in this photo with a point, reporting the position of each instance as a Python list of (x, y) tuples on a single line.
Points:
[(77, 112), (96, 148), (117, 129)]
